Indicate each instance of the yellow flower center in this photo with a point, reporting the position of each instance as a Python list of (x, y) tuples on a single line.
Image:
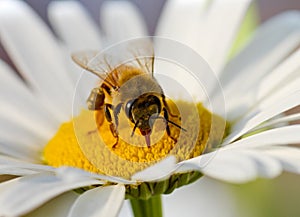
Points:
[(82, 143)]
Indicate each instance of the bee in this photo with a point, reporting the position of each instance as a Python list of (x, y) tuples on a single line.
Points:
[(132, 85)]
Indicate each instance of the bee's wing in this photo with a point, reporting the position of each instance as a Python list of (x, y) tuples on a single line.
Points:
[(89, 60), (138, 53), (141, 53)]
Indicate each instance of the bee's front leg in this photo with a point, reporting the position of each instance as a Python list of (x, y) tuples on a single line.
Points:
[(166, 116), (112, 126), (168, 108)]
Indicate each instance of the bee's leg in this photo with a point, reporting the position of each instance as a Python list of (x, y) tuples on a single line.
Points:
[(115, 134), (116, 113), (168, 108), (166, 116), (113, 128)]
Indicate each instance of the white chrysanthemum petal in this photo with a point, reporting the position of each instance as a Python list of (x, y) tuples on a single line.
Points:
[(126, 210), (279, 136), (19, 149), (58, 207), (206, 197), (157, 171), (16, 171), (37, 55), (259, 115), (99, 202), (17, 102), (21, 195), (277, 78), (23, 115), (79, 172), (267, 166), (113, 179), (74, 26), (288, 156), (266, 42), (236, 165), (290, 87), (78, 32), (273, 42), (277, 121), (19, 119), (182, 21), (121, 20), (201, 23), (219, 33), (18, 136), (18, 167), (230, 166)]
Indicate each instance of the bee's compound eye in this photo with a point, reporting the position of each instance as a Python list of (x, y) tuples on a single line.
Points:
[(128, 109)]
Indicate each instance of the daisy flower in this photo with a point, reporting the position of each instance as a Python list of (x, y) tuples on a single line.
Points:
[(41, 150)]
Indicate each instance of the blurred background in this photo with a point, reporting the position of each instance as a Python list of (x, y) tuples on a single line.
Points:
[(151, 9), (263, 198)]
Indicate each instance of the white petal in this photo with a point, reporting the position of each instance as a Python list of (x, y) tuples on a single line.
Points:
[(277, 121), (12, 166), (219, 33), (267, 166), (25, 119), (37, 55), (114, 179), (290, 87), (279, 136), (20, 151), (288, 156), (273, 42), (196, 163), (23, 115), (240, 161), (33, 191), (278, 29), (58, 207), (199, 24), (74, 26), (231, 166), (121, 20), (259, 115), (277, 78), (158, 171), (78, 31), (235, 166), (126, 210), (76, 172), (206, 197), (182, 21), (17, 99), (99, 202), (18, 141)]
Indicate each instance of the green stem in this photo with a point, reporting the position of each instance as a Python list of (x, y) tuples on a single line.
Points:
[(147, 208)]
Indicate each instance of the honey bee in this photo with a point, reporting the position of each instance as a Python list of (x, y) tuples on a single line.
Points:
[(132, 85)]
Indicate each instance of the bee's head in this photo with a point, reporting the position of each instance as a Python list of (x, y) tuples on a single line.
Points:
[(141, 111)]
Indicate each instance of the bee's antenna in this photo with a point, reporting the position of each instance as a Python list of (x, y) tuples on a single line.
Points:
[(135, 126), (171, 122)]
